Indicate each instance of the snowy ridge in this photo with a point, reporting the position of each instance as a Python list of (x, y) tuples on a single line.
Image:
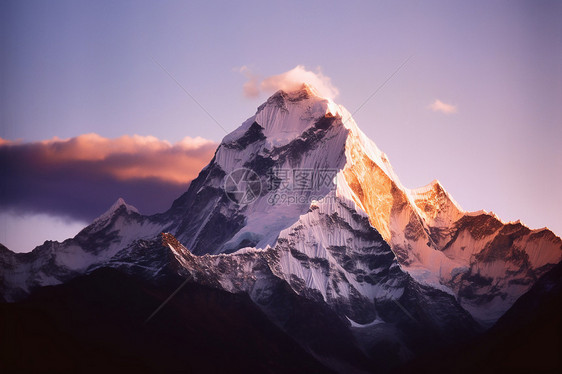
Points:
[(315, 256), (119, 204), (331, 254), (434, 187), (111, 235)]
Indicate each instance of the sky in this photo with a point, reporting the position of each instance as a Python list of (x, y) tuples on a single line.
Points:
[(97, 96)]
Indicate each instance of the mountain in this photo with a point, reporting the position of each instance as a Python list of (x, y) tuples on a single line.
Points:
[(484, 263), (114, 239), (298, 204)]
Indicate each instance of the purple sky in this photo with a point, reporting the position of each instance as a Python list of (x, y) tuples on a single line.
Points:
[(78, 67)]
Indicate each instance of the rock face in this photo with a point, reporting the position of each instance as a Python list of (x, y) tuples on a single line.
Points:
[(299, 198)]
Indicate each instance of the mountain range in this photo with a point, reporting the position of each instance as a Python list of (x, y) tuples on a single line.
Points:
[(300, 228)]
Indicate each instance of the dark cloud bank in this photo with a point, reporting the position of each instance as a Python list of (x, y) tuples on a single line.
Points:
[(81, 177)]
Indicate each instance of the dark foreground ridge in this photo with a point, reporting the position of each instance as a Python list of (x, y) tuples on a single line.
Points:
[(527, 339), (95, 323)]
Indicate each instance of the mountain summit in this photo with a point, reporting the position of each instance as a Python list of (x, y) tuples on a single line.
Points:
[(299, 200)]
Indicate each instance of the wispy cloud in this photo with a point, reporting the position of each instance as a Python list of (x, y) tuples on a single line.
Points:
[(251, 87), (288, 80), (439, 106), (81, 176)]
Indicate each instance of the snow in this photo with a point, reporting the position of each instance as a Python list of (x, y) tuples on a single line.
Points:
[(432, 191), (356, 325), (54, 262), (111, 211), (283, 120), (313, 238), (75, 258)]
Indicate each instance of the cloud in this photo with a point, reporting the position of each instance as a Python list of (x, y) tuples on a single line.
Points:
[(252, 86), (81, 177), (290, 80), (439, 106)]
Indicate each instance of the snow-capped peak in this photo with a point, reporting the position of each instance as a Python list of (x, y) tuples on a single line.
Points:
[(114, 208), (305, 90), (286, 115)]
